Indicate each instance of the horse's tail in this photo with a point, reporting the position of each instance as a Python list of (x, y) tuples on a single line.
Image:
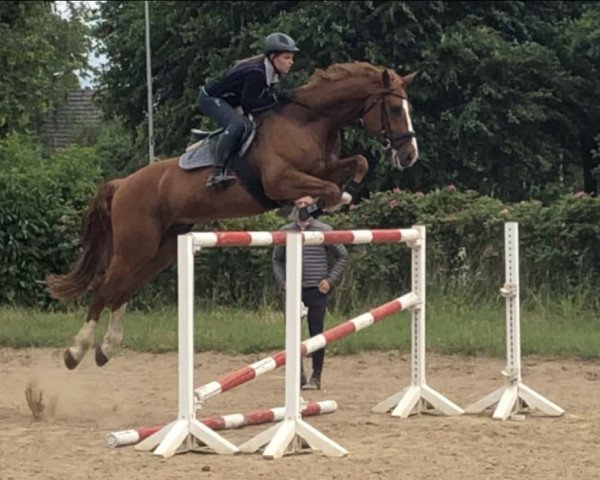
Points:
[(97, 249)]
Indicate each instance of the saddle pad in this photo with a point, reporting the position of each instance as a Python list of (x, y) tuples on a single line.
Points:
[(197, 158)]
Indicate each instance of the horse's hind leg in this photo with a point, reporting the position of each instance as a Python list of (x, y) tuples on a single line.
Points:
[(85, 337), (122, 288), (113, 337)]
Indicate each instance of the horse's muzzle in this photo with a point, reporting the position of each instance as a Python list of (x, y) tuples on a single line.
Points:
[(405, 156)]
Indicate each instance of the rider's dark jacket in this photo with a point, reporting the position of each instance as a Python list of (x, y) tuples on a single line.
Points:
[(248, 85)]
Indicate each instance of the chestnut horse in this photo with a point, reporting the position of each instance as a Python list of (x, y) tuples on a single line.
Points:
[(130, 229)]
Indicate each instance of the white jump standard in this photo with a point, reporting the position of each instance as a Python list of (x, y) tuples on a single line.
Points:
[(514, 397), (187, 432), (184, 433), (418, 397), (287, 436)]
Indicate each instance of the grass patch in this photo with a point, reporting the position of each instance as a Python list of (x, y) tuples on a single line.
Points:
[(549, 327)]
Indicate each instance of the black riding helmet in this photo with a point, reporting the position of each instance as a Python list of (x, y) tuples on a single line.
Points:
[(279, 42)]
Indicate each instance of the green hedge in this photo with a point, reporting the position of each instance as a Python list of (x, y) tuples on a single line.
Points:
[(559, 244), (42, 201)]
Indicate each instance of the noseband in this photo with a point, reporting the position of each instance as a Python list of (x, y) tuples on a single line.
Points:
[(388, 138)]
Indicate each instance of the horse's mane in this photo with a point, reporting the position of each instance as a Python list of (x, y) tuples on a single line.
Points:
[(340, 71), (327, 77)]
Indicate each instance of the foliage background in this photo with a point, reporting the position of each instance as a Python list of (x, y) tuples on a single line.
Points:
[(506, 106), (507, 99), (42, 201)]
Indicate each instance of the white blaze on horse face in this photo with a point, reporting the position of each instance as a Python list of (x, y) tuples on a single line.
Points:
[(83, 340), (114, 334), (413, 140)]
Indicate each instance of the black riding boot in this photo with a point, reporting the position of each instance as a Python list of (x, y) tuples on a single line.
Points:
[(220, 177)]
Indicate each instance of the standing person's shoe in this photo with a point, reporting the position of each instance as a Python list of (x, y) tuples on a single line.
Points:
[(313, 384), (303, 381)]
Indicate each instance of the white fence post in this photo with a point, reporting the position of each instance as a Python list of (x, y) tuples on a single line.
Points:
[(287, 436), (418, 397), (514, 397), (186, 432)]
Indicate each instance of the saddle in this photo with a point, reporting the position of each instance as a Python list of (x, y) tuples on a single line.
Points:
[(200, 154)]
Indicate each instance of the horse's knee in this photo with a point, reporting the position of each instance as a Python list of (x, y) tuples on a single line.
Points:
[(362, 166), (331, 195)]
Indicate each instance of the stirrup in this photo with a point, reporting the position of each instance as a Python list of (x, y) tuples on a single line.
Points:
[(221, 180)]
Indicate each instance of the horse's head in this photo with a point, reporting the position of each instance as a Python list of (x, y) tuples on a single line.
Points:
[(386, 115)]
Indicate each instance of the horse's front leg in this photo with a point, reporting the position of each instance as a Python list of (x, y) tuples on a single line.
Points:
[(340, 169), (293, 184)]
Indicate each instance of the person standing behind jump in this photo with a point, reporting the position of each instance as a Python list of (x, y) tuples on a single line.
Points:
[(249, 85), (317, 282)]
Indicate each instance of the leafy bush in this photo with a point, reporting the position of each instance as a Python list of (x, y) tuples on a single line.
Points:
[(42, 201), (116, 151), (465, 250), (465, 242)]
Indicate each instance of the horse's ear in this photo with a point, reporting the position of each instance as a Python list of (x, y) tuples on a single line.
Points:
[(407, 79), (386, 78)]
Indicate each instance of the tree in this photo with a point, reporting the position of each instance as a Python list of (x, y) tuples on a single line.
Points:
[(39, 53), (581, 52), (495, 106)]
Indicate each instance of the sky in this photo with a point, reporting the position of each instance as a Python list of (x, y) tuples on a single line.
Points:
[(93, 59)]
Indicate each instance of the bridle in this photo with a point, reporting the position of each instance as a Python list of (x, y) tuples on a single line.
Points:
[(387, 136)]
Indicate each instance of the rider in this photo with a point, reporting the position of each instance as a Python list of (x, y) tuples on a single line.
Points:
[(247, 85)]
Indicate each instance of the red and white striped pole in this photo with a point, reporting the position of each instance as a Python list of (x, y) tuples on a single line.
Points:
[(184, 431), (245, 374), (265, 239), (236, 420)]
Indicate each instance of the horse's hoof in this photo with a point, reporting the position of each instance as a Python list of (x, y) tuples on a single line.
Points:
[(70, 361), (101, 359)]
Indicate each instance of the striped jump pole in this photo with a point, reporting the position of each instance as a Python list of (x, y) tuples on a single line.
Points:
[(289, 434), (514, 397), (256, 369), (236, 420), (187, 431), (266, 239)]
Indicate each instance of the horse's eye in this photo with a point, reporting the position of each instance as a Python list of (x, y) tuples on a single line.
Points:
[(396, 110)]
